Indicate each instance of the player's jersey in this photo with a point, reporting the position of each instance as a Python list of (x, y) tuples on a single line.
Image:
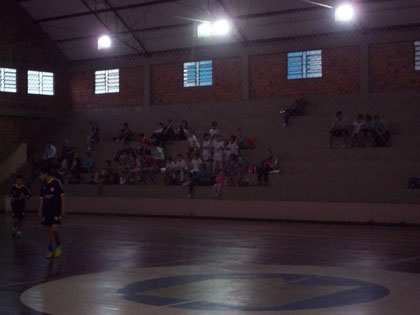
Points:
[(19, 194), (51, 193)]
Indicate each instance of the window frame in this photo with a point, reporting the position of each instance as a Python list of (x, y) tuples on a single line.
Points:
[(3, 72), (108, 88), (305, 65), (42, 76), (416, 52), (203, 76)]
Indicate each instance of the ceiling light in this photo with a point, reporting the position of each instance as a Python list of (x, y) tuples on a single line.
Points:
[(104, 42), (344, 12), (221, 28), (204, 30)]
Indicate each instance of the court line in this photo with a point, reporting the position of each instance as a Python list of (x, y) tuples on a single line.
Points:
[(403, 260)]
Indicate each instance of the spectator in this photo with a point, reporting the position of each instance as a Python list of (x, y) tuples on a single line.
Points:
[(358, 135), (50, 152), (64, 169), (127, 149), (338, 129), (243, 141), (214, 131), (106, 176), (124, 134), (88, 163), (220, 181), (170, 172), (196, 162), (93, 137), (182, 131), (67, 151), (180, 168), (207, 150), (150, 167), (76, 169), (144, 144), (157, 135), (200, 178), (218, 146), (127, 163), (369, 129), (382, 133), (168, 132), (232, 147), (268, 165), (234, 170), (193, 144), (296, 109), (158, 154)]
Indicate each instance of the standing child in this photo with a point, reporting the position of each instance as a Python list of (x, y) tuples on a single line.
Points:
[(18, 194), (218, 146), (207, 150), (220, 181), (51, 208)]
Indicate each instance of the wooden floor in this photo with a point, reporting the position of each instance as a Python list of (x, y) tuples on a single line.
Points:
[(98, 244)]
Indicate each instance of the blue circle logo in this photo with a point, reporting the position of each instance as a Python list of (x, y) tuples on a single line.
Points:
[(252, 292)]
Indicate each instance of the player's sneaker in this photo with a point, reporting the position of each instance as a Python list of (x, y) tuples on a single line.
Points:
[(50, 255), (57, 251)]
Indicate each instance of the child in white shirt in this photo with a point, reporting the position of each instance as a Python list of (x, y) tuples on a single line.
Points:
[(196, 162), (193, 143), (207, 150), (218, 146), (232, 147), (214, 132)]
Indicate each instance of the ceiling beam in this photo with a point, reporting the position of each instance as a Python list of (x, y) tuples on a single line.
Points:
[(107, 27), (114, 9), (124, 23)]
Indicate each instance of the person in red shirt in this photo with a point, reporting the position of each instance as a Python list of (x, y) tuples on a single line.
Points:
[(220, 181)]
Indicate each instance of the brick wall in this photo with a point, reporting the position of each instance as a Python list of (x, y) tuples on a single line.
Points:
[(341, 74), (22, 128), (392, 68), (82, 90), (167, 84)]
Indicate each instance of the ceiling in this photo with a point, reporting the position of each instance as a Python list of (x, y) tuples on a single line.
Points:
[(149, 26)]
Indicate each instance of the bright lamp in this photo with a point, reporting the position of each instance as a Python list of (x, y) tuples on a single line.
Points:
[(344, 12), (104, 42)]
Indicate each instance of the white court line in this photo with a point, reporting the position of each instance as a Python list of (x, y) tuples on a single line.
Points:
[(403, 260)]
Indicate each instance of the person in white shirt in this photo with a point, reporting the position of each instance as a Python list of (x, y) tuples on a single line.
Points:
[(170, 175), (358, 135), (214, 132), (196, 162), (232, 147), (218, 146), (207, 150), (50, 152), (180, 167), (193, 143)]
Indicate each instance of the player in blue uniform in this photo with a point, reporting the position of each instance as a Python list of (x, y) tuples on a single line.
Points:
[(18, 195), (51, 209)]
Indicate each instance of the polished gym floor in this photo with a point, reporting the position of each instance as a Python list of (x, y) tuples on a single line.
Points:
[(133, 265)]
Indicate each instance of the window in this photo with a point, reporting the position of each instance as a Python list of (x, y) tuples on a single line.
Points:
[(41, 83), (107, 81), (198, 73), (304, 64), (7, 80), (417, 55)]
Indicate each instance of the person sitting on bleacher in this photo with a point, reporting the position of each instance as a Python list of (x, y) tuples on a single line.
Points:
[(200, 178), (382, 133), (144, 144), (297, 109), (369, 130), (127, 163), (124, 134), (88, 163), (182, 131), (159, 154), (50, 153), (106, 176), (339, 128), (268, 165), (75, 170), (358, 134)]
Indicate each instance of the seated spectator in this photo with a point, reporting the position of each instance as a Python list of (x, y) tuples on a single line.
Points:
[(193, 144), (200, 178), (75, 169), (180, 168), (64, 169), (158, 154), (196, 162), (358, 135), (369, 129), (214, 131), (338, 129), (231, 148), (106, 177), (382, 133), (170, 172), (234, 170), (93, 137), (88, 163), (168, 132), (124, 134), (50, 152), (182, 131), (144, 144), (268, 165), (296, 109), (137, 172), (151, 167), (67, 151), (126, 164), (244, 143), (127, 149), (207, 150), (220, 182), (157, 135), (218, 147)]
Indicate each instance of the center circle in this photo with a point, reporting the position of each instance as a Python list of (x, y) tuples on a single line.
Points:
[(253, 292)]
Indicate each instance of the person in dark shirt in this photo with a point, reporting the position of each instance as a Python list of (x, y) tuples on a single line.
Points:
[(51, 209), (18, 195)]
